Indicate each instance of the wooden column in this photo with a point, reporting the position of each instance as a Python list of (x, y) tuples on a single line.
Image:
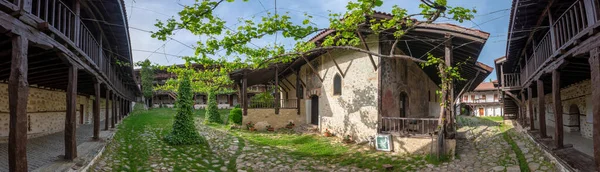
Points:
[(77, 22), (18, 93), (107, 113), (595, 77), (70, 120), (523, 110), (25, 5), (114, 110), (96, 110), (298, 92), (530, 108), (541, 107), (277, 97), (558, 111), (244, 95), (448, 60)]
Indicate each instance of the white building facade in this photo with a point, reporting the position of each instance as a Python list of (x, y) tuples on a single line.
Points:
[(483, 101)]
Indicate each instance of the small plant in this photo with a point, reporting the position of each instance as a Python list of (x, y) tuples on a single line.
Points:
[(250, 126), (270, 128), (290, 125), (327, 133), (347, 139), (235, 116)]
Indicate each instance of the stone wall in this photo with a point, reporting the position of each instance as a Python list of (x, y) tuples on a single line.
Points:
[(46, 110), (263, 117), (420, 145), (400, 76), (579, 95)]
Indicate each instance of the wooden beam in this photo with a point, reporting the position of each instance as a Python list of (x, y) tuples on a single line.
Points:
[(96, 110), (522, 109), (298, 76), (558, 111), (364, 43), (541, 107), (18, 93), (70, 120), (298, 92), (595, 80), (290, 83), (107, 108), (312, 67), (336, 65)]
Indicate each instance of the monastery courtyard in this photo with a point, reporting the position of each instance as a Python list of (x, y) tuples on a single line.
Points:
[(484, 144)]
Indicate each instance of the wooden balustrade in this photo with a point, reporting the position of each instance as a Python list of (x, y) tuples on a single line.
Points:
[(511, 80), (560, 35), (408, 126), (60, 18), (284, 104)]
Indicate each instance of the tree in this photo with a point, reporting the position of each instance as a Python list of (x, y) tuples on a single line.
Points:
[(200, 20), (212, 111), (184, 129), (147, 76)]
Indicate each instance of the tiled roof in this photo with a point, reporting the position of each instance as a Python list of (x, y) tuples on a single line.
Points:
[(485, 86)]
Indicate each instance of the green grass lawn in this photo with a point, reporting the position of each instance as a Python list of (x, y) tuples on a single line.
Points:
[(138, 145)]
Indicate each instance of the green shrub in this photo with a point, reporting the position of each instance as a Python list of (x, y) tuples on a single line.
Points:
[(235, 116), (184, 129), (212, 111)]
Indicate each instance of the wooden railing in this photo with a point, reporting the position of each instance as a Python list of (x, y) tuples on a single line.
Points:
[(560, 35), (61, 20), (283, 104), (511, 80), (408, 126)]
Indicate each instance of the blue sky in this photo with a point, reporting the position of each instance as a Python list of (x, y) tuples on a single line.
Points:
[(492, 17)]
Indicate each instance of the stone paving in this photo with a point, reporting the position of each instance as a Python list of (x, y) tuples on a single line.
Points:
[(480, 147), (46, 149)]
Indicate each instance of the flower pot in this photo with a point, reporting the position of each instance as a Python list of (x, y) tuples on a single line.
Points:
[(326, 134), (252, 129)]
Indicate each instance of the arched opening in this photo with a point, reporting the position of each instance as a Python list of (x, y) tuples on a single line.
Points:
[(337, 85), (403, 104), (574, 116)]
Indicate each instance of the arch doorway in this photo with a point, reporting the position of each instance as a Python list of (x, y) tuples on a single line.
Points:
[(574, 114), (403, 104)]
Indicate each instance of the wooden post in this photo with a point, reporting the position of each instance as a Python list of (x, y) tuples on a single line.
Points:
[(107, 110), (18, 93), (558, 111), (244, 95), (96, 109), (113, 104), (553, 41), (448, 60), (522, 110), (25, 5), (277, 97), (594, 61), (541, 108), (70, 120), (77, 23), (530, 108), (298, 92)]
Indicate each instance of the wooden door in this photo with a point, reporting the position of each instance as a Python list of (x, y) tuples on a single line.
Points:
[(481, 111), (314, 108)]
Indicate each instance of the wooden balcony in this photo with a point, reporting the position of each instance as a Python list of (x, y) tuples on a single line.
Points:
[(57, 19), (511, 80), (563, 33)]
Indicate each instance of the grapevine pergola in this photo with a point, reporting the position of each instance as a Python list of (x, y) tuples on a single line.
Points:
[(200, 19)]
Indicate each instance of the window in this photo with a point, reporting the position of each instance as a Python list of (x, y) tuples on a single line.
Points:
[(483, 98), (465, 98), (495, 97), (337, 85)]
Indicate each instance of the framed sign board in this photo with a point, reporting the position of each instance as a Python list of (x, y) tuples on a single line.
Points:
[(383, 142)]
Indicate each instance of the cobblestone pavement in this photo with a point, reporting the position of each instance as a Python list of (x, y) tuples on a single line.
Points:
[(46, 149), (483, 148)]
